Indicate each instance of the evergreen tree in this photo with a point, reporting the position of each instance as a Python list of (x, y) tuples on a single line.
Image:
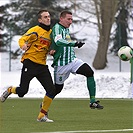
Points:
[(19, 15), (121, 34)]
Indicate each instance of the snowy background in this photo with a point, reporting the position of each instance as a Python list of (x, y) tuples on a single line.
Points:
[(112, 82)]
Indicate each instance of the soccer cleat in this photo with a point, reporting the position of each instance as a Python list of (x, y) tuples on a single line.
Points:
[(96, 105), (5, 95), (44, 119)]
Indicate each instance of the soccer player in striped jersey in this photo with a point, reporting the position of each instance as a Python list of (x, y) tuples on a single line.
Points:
[(65, 61)]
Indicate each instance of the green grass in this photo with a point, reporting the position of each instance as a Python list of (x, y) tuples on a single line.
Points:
[(19, 115)]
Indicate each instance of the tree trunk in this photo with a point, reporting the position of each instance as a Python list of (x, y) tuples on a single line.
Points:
[(106, 16)]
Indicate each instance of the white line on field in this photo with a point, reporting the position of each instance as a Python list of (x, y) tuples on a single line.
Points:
[(89, 131)]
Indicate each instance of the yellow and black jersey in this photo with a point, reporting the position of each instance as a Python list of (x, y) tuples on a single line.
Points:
[(38, 42)]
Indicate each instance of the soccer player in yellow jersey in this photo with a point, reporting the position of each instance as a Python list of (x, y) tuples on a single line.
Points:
[(36, 42)]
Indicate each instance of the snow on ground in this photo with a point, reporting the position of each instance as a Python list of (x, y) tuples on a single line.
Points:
[(110, 82)]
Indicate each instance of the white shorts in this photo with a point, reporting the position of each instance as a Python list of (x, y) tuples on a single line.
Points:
[(61, 73)]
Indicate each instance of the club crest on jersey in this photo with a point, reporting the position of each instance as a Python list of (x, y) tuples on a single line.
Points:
[(68, 38)]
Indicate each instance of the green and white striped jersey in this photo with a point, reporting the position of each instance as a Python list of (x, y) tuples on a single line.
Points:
[(63, 45)]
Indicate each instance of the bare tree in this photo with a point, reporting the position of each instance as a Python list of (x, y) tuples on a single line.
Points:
[(101, 13), (105, 12)]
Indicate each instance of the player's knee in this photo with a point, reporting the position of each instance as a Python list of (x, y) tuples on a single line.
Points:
[(90, 73), (57, 91), (20, 92), (58, 88), (21, 95), (85, 70), (51, 92)]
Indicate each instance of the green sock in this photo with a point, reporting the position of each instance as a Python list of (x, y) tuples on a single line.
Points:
[(92, 88)]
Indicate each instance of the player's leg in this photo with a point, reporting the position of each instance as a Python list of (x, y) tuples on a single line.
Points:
[(27, 74), (7, 93), (43, 114), (24, 84), (26, 77), (61, 73), (59, 88), (44, 77), (86, 70)]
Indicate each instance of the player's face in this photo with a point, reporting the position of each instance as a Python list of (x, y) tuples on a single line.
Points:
[(66, 21), (45, 19)]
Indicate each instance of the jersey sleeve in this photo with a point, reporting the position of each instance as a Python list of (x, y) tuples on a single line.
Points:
[(28, 37)]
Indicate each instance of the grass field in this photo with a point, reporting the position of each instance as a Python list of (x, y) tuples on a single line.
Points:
[(69, 115)]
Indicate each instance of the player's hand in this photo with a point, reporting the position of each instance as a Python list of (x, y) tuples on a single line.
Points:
[(24, 47), (52, 52), (79, 44)]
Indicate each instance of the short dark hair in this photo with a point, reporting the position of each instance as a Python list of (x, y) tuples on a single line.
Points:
[(63, 13), (40, 12)]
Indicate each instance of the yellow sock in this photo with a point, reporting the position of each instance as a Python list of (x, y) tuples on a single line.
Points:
[(46, 103), (40, 115), (13, 90), (45, 106), (10, 89)]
